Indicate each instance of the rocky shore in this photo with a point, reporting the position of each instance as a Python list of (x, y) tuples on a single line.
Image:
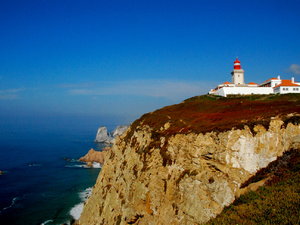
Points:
[(102, 136), (95, 156)]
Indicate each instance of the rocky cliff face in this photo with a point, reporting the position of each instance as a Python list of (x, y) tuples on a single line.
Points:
[(154, 175)]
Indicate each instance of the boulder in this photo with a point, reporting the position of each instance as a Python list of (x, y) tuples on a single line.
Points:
[(103, 135)]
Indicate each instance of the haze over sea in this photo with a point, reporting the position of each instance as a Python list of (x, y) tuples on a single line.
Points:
[(39, 184)]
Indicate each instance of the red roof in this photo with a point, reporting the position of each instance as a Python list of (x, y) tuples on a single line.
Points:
[(252, 83), (237, 61), (286, 83), (227, 82), (270, 79)]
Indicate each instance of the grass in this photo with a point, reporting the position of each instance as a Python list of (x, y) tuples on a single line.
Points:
[(278, 202)]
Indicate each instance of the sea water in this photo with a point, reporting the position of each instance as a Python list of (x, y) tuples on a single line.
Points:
[(43, 182)]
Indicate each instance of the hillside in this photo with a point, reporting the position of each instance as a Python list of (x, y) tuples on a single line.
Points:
[(278, 202), (184, 163)]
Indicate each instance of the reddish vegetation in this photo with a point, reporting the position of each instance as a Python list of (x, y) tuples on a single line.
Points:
[(212, 113)]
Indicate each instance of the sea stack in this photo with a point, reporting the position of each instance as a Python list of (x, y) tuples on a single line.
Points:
[(103, 135)]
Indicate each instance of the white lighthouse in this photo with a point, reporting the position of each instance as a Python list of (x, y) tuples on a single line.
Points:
[(237, 73)]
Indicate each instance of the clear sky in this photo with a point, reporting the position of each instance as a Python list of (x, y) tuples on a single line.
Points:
[(119, 59)]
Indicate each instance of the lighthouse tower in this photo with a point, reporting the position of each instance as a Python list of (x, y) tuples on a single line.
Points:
[(237, 73)]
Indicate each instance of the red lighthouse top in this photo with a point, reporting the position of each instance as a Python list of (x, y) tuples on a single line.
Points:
[(237, 64)]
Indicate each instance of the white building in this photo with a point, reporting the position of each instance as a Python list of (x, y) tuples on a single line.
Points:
[(287, 86), (237, 75), (238, 86)]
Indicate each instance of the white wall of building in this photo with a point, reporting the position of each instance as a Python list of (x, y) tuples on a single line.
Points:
[(286, 90), (244, 91), (238, 76)]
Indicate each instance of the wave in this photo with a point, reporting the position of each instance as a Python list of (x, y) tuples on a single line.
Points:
[(77, 166), (47, 221), (94, 165), (84, 195), (76, 211), (13, 202)]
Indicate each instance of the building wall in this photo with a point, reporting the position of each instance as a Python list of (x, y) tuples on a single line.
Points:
[(244, 91), (285, 90), (238, 76)]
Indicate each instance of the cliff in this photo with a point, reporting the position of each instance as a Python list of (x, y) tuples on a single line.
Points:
[(184, 163)]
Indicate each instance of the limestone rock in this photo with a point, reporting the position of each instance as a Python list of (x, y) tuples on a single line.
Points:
[(103, 135), (119, 130)]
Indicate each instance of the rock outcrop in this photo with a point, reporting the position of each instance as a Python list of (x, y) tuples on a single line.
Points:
[(103, 135), (94, 156), (119, 131), (173, 171)]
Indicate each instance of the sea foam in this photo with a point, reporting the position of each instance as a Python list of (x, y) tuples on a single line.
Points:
[(13, 202), (76, 211), (46, 222), (77, 166), (96, 165), (84, 195)]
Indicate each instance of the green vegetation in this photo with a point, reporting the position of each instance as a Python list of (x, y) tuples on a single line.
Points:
[(278, 202)]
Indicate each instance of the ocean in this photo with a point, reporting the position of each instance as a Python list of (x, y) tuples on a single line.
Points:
[(43, 182)]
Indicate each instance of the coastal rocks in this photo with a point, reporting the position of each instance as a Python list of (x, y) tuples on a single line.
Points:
[(119, 130), (95, 156), (105, 137), (182, 179)]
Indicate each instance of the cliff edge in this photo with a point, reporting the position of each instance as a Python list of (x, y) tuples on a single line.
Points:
[(184, 163)]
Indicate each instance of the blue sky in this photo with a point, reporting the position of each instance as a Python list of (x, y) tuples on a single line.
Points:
[(119, 59)]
